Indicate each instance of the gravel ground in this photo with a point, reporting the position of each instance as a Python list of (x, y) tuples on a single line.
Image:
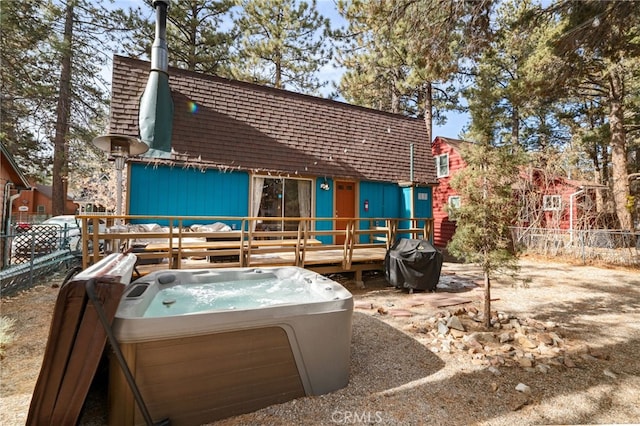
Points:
[(567, 336)]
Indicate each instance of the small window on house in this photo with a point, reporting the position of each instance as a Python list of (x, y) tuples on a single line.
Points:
[(552, 202), (452, 207), (442, 165), (41, 209)]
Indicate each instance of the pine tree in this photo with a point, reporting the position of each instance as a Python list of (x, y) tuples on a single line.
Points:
[(282, 44), (195, 39), (486, 210), (417, 47), (593, 55), (22, 84), (66, 99)]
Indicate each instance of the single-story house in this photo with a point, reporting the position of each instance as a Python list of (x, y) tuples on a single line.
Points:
[(37, 201), (22, 201), (556, 202), (552, 202), (241, 149)]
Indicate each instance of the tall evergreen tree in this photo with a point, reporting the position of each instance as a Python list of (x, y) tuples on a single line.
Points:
[(593, 55), (23, 84), (196, 35), (68, 100), (423, 42), (283, 43)]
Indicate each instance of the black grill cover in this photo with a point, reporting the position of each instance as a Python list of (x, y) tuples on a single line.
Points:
[(413, 264)]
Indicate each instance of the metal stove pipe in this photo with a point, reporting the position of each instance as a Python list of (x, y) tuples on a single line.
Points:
[(156, 104), (159, 51)]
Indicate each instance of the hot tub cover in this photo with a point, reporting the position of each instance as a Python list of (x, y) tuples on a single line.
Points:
[(413, 264)]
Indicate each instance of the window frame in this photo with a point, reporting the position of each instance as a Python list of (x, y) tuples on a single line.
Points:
[(283, 208), (552, 202), (451, 208), (440, 163)]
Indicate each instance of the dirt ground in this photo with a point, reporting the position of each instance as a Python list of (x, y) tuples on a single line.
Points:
[(563, 349)]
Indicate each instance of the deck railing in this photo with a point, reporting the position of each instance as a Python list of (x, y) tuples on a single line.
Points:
[(248, 240)]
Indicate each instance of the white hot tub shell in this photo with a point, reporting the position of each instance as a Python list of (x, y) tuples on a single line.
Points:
[(198, 366)]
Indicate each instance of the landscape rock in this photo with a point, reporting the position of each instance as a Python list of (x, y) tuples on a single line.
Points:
[(460, 346), (442, 328), (455, 323), (525, 342), (483, 336), (506, 348), (505, 337), (515, 324), (525, 362), (494, 371), (456, 333), (521, 387), (598, 353), (543, 368), (557, 340), (545, 338), (497, 360), (581, 349), (588, 357)]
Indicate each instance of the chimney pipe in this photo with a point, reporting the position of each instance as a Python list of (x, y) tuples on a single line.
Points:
[(156, 104), (159, 51)]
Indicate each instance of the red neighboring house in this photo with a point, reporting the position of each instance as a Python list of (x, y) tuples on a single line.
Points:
[(446, 153), (12, 180), (555, 202), (546, 202), (35, 204)]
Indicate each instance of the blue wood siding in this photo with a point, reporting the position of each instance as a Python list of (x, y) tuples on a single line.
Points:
[(384, 201), (174, 191), (423, 202), (324, 208)]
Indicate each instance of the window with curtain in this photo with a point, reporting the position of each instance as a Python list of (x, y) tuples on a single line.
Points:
[(278, 198)]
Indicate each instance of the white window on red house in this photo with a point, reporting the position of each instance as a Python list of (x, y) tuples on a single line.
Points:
[(453, 204), (442, 165), (552, 202)]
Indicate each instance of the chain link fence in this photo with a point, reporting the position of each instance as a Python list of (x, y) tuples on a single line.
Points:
[(599, 245), (28, 253)]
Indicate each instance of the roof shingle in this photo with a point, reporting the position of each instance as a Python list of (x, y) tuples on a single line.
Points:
[(250, 127)]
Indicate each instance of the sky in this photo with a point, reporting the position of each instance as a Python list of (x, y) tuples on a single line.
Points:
[(331, 73)]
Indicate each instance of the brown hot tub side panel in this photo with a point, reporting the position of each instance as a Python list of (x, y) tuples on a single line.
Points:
[(200, 379)]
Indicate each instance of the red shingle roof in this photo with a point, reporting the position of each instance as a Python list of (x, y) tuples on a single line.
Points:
[(245, 126)]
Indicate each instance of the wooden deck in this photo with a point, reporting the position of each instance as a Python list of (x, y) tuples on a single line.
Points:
[(311, 246)]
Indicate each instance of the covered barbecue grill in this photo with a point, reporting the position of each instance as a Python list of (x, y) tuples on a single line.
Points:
[(413, 264)]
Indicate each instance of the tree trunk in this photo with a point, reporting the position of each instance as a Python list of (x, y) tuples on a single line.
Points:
[(486, 252), (487, 300), (515, 126), (428, 111), (618, 149), (63, 111), (277, 82)]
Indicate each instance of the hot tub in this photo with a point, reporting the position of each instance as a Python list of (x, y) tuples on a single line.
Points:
[(207, 344)]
